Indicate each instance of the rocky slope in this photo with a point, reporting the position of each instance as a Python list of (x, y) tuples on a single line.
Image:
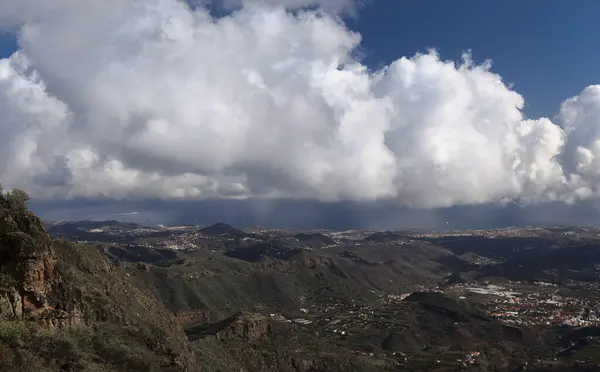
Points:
[(65, 307), (251, 303), (259, 343)]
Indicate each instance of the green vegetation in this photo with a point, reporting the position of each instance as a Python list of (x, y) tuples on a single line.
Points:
[(64, 307), (15, 199), (30, 347)]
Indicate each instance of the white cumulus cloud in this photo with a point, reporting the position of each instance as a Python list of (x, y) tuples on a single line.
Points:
[(154, 98)]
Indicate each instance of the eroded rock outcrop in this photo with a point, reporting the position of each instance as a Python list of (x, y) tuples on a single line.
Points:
[(249, 327), (28, 272), (55, 285), (188, 317)]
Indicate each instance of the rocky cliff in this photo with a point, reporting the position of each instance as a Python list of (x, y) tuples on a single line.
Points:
[(251, 342), (61, 302), (27, 266)]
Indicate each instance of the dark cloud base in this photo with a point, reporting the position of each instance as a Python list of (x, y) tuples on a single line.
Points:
[(310, 214)]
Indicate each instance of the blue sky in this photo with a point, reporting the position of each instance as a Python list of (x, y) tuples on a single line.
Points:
[(8, 45), (547, 48)]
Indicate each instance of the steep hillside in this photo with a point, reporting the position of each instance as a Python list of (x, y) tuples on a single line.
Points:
[(268, 276), (65, 307), (258, 343), (222, 285)]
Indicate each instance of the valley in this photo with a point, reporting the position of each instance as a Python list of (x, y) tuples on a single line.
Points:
[(486, 300)]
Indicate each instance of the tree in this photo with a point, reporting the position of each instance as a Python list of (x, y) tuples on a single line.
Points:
[(15, 199)]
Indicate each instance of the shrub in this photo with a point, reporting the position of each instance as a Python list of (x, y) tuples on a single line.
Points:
[(15, 199)]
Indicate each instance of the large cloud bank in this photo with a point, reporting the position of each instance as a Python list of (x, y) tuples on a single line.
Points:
[(155, 98)]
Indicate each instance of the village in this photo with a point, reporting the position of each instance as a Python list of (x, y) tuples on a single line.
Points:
[(535, 305)]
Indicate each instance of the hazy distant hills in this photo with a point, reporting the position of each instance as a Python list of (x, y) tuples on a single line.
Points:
[(222, 229), (309, 214), (314, 240)]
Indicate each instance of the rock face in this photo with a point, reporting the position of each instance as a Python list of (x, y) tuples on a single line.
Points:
[(11, 304), (64, 290), (254, 342), (28, 267), (193, 317), (241, 327), (249, 327)]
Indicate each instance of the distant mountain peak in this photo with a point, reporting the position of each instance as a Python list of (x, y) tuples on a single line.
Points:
[(221, 228), (317, 239)]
